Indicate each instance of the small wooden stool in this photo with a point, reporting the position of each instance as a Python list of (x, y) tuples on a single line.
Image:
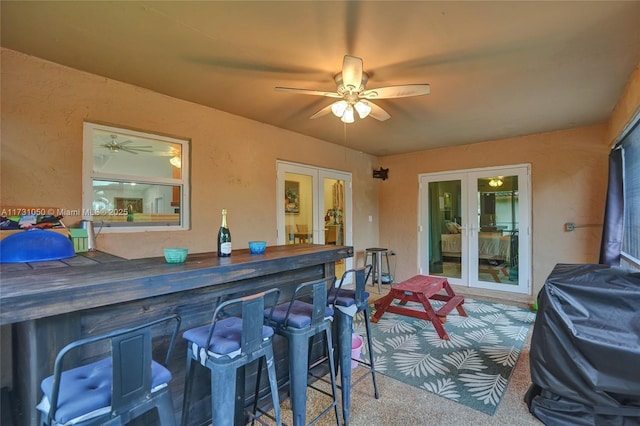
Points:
[(421, 288)]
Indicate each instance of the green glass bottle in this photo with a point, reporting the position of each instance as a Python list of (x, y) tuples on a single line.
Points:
[(224, 237)]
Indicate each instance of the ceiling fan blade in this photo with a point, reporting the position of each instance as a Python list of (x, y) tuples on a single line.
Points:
[(352, 72), (130, 151), (111, 147), (308, 92), (324, 111), (402, 91), (377, 112)]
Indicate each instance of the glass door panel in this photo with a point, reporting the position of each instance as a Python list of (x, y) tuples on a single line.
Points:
[(445, 223), (333, 219), (298, 208), (500, 205), (497, 226)]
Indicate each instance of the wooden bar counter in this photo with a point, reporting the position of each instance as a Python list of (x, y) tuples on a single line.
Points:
[(49, 306)]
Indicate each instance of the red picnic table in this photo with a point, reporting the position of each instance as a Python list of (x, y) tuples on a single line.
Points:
[(422, 288)]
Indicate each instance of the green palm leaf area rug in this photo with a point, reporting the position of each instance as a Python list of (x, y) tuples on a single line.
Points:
[(472, 368)]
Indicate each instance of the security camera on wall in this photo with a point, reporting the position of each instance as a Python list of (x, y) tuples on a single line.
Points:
[(381, 174)]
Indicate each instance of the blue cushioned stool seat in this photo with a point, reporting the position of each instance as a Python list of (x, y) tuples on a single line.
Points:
[(226, 338), (344, 297), (116, 389), (87, 388), (300, 314)]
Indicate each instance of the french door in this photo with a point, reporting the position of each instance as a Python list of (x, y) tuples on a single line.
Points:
[(314, 207), (475, 227)]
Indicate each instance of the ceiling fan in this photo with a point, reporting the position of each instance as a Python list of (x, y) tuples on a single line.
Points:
[(114, 146), (351, 90)]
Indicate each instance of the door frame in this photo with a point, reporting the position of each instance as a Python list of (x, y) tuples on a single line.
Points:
[(318, 175), (468, 178)]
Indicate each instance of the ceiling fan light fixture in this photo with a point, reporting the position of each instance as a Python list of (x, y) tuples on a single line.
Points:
[(338, 108), (363, 109), (347, 117), (496, 182), (176, 161)]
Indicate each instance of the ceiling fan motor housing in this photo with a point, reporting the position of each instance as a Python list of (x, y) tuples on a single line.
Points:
[(344, 90)]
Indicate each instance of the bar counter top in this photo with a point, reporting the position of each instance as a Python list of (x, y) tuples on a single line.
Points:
[(96, 279)]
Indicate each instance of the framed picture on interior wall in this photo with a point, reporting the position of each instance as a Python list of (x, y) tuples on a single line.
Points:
[(123, 204), (291, 197)]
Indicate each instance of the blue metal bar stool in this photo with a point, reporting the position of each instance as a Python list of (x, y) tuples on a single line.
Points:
[(306, 315), (115, 389), (347, 303), (227, 344)]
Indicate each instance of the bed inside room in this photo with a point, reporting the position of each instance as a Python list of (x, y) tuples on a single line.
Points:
[(497, 252)]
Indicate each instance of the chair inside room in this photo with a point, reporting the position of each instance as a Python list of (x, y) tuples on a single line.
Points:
[(331, 235), (116, 389), (352, 302), (299, 320), (235, 337), (303, 234)]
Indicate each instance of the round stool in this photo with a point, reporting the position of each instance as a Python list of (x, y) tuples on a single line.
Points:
[(376, 254)]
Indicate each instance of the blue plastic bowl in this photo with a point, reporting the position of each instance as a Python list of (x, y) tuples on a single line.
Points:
[(175, 255), (36, 245), (257, 247)]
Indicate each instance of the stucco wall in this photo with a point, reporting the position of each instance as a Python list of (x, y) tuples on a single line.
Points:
[(233, 160), (568, 184), (626, 108)]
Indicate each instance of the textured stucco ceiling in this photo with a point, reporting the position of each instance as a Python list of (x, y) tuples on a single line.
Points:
[(496, 69)]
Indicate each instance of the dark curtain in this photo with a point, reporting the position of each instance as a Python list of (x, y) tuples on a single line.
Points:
[(611, 244)]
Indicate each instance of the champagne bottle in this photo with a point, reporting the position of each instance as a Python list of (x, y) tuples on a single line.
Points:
[(224, 237)]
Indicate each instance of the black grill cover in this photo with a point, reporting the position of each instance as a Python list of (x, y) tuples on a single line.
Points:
[(585, 347)]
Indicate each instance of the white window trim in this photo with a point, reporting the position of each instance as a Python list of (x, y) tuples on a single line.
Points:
[(88, 175)]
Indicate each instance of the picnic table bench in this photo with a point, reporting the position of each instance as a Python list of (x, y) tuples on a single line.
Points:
[(422, 289)]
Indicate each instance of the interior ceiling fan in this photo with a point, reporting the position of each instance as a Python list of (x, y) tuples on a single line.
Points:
[(114, 146), (351, 90)]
